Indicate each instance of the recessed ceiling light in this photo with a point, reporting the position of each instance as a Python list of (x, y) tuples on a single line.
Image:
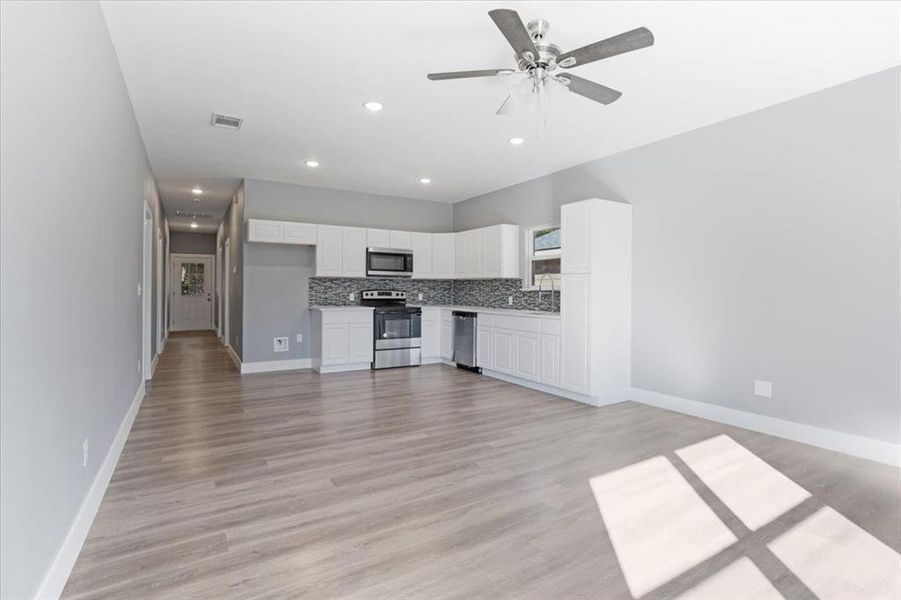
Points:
[(312, 163), (425, 180), (373, 106), (196, 191), (193, 224), (516, 141)]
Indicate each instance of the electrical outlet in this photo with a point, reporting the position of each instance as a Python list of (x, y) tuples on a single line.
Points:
[(234, 269), (763, 388), (299, 338), (510, 300), (84, 453), (351, 296), (419, 296), (280, 344), (139, 289)]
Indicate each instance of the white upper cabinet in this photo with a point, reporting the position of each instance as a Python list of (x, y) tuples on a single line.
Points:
[(329, 253), (484, 253), (500, 251), (488, 253), (353, 252), (443, 253), (400, 240), (300, 233), (422, 255), (575, 228), (259, 230), (459, 244), (377, 238)]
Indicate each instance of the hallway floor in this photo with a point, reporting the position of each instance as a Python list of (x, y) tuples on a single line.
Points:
[(436, 483)]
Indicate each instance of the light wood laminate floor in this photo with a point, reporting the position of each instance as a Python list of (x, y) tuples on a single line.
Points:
[(429, 483)]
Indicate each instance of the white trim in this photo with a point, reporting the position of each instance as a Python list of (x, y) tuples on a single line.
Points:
[(55, 579), (156, 360), (527, 285), (147, 246), (176, 256), (343, 368), (265, 366), (855, 445), (234, 357), (547, 389)]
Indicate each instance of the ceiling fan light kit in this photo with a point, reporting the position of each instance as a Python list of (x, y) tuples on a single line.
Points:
[(539, 60)]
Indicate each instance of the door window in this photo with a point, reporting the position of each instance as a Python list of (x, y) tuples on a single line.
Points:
[(192, 277)]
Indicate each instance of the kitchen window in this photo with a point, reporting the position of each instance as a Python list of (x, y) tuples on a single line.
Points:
[(543, 252)]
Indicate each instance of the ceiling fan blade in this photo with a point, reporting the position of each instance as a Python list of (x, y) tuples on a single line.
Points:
[(591, 90), (618, 44), (511, 26), (466, 74)]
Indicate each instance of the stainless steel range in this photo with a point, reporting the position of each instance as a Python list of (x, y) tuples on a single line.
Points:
[(397, 329)]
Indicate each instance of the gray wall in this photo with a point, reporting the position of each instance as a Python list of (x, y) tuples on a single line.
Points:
[(277, 277), (73, 186), (233, 230), (192, 243), (765, 247)]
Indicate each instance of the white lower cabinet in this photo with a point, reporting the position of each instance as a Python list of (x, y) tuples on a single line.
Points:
[(549, 373), (503, 357), (484, 334), (524, 347), (341, 339), (447, 335), (527, 352), (431, 333)]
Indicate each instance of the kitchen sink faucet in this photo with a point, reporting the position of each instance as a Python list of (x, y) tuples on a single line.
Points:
[(540, 291)]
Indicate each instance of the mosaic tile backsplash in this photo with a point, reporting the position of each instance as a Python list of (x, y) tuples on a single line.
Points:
[(491, 293), (333, 291)]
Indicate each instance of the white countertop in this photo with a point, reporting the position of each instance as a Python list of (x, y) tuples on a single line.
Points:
[(340, 308), (497, 311)]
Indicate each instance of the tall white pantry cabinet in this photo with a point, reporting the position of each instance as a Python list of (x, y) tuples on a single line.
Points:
[(596, 300)]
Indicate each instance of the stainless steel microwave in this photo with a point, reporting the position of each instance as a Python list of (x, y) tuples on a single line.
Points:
[(389, 262)]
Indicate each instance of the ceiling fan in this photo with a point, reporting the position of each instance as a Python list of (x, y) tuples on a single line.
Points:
[(540, 60)]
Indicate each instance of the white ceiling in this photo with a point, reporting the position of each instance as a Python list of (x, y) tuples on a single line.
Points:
[(177, 196), (298, 74)]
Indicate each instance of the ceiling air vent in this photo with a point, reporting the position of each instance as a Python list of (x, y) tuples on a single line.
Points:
[(226, 121)]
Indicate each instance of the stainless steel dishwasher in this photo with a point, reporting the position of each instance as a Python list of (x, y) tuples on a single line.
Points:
[(465, 339)]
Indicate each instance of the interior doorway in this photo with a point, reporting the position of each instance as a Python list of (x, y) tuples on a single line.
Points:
[(192, 279)]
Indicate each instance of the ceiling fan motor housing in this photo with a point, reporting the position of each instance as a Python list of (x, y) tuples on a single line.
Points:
[(547, 52)]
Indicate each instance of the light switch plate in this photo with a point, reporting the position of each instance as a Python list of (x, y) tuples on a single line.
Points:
[(299, 338), (351, 296), (510, 300), (763, 388), (419, 296)]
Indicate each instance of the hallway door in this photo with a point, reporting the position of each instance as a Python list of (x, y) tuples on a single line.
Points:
[(192, 291)]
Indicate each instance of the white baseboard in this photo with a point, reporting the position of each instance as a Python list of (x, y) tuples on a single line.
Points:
[(847, 443), (342, 368), (55, 579), (234, 357), (276, 365), (548, 389), (154, 363)]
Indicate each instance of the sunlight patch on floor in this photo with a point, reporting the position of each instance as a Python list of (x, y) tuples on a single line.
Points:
[(837, 559), (658, 524), (753, 490), (741, 580)]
